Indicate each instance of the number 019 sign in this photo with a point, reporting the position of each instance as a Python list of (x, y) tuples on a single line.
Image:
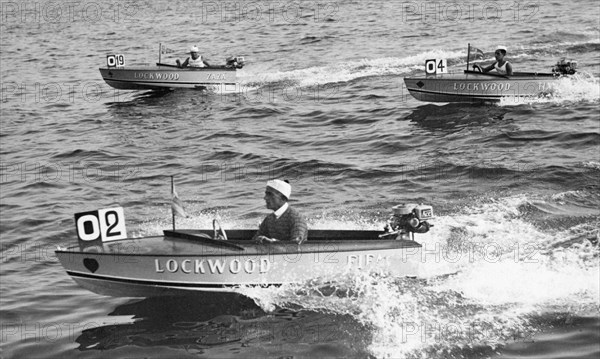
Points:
[(115, 60), (436, 66), (103, 225)]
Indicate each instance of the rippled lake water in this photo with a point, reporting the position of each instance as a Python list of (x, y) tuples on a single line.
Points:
[(512, 262)]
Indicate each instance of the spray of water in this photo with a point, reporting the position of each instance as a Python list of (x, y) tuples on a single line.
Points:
[(581, 87), (502, 272)]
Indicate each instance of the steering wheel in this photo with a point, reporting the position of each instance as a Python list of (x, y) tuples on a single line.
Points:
[(477, 67), (220, 234)]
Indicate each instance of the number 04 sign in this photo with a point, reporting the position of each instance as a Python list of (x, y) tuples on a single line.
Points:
[(103, 225), (436, 66)]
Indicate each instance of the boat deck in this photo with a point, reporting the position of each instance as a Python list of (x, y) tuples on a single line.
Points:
[(200, 243), (167, 67), (491, 76)]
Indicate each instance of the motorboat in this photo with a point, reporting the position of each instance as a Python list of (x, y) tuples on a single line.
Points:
[(183, 262), (439, 85), (163, 76), (168, 76), (473, 86)]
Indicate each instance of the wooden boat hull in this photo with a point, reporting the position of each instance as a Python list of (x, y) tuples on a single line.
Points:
[(472, 86), (165, 77), (185, 262)]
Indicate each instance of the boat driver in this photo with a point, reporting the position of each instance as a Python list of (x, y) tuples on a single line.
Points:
[(195, 59), (285, 223), (501, 66)]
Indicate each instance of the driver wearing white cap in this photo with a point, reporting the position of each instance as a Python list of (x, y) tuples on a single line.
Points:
[(285, 223), (195, 59), (501, 66)]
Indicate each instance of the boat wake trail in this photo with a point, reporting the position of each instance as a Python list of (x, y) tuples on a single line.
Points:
[(342, 71), (511, 279)]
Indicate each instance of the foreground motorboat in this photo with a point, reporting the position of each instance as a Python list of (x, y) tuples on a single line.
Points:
[(192, 261)]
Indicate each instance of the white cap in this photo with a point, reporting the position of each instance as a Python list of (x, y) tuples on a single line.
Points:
[(280, 186), (194, 49), (500, 47)]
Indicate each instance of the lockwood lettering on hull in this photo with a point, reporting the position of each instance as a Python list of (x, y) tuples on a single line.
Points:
[(212, 266), (156, 76), (481, 86)]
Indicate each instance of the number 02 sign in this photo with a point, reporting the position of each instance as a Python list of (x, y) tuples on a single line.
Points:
[(102, 225), (436, 66)]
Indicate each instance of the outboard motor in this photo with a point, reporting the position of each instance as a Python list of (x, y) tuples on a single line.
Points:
[(564, 67), (408, 219), (235, 62)]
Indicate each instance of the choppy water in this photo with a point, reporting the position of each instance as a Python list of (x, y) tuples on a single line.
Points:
[(512, 262)]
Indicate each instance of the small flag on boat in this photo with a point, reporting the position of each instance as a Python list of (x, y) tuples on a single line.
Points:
[(177, 205), (165, 50), (475, 53)]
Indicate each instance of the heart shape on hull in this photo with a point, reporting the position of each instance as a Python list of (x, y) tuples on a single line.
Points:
[(91, 264)]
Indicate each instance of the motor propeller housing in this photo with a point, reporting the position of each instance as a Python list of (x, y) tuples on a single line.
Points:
[(408, 219), (564, 67), (235, 62)]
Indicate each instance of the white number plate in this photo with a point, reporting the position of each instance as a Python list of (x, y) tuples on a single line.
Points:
[(115, 60), (103, 225), (436, 66)]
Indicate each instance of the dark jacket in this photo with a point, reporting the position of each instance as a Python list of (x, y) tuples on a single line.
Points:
[(290, 225)]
